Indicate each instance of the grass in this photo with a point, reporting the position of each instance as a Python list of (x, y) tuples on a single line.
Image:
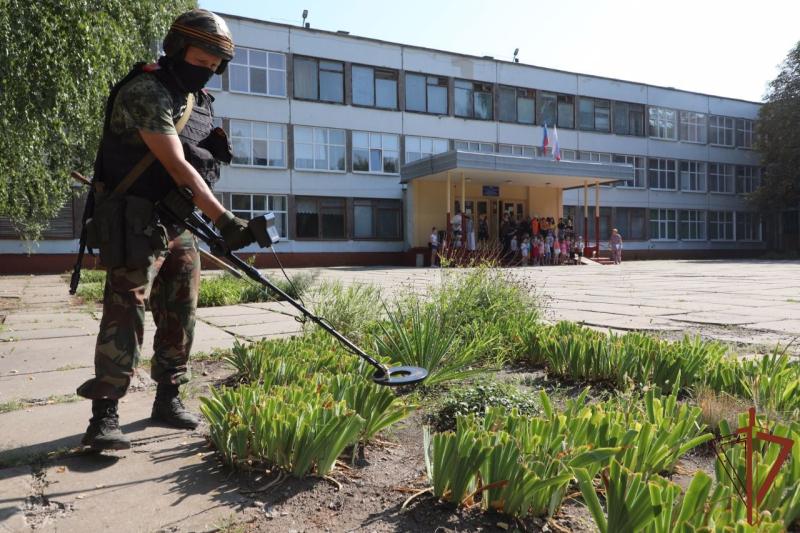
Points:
[(18, 404)]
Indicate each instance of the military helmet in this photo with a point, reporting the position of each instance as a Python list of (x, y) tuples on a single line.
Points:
[(203, 29)]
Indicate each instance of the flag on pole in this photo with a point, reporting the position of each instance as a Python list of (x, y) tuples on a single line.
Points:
[(556, 147), (544, 140)]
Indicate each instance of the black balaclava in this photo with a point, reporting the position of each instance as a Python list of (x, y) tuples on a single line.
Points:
[(191, 77)]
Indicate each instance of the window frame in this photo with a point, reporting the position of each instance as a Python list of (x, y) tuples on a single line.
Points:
[(318, 200), (743, 225), (665, 221), (267, 198), (423, 154), (476, 88), (696, 174), (717, 128), (375, 204), (319, 69), (746, 133), (594, 102), (692, 121), (480, 144), (268, 140), (661, 120), (698, 220), (426, 83), (315, 144), (519, 93), (370, 148), (541, 96), (232, 64), (730, 178), (630, 108), (717, 224), (642, 168), (375, 72), (753, 180), (659, 171), (523, 149)]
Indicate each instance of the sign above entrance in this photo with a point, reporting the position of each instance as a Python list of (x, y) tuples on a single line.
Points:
[(491, 190)]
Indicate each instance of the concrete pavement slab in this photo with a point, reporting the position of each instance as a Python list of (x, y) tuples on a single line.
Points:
[(715, 318), (15, 487), (37, 355), (788, 326)]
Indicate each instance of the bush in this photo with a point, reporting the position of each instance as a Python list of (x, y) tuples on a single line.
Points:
[(226, 289), (476, 399), (353, 310)]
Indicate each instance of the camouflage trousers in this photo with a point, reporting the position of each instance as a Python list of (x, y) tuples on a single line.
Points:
[(171, 286)]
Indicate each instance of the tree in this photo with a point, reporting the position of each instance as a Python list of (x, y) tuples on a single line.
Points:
[(57, 62), (778, 140)]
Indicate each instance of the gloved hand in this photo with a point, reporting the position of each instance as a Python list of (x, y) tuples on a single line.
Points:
[(218, 144), (234, 230)]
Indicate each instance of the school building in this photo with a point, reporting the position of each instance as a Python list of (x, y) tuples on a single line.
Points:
[(359, 146)]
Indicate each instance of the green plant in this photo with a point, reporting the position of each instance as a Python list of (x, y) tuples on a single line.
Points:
[(299, 428), (352, 309), (378, 406), (226, 289), (477, 398), (453, 461), (417, 337)]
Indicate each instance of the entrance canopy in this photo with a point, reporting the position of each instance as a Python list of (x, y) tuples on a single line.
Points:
[(502, 169)]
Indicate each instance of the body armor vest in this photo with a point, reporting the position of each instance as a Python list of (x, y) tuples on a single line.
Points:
[(115, 158)]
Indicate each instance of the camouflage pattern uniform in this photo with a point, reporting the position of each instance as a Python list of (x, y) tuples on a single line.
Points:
[(171, 283)]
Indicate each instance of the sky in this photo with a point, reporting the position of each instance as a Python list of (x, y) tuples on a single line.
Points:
[(730, 48)]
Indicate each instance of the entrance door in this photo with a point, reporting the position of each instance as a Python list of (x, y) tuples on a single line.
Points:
[(514, 209)]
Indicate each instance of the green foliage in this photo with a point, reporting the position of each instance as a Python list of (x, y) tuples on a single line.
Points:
[(352, 310), (315, 359), (417, 336), (225, 289), (782, 500), (299, 428), (487, 304), (478, 398), (778, 139), (58, 60)]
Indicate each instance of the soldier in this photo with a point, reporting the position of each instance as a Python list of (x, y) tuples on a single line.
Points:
[(142, 115)]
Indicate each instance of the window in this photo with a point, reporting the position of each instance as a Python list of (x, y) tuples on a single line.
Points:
[(547, 108), (473, 100), (259, 144), (720, 130), (720, 178), (720, 225), (377, 219), (247, 206), (376, 152), (422, 147), (744, 133), (516, 150), (693, 127), (747, 179), (594, 114), (662, 123), (319, 149), (594, 157), (374, 87), (257, 72), (638, 170), (691, 225), (661, 174), (516, 105), (215, 83), (473, 146), (693, 176), (748, 226), (663, 224), (566, 155), (427, 94), (318, 79), (630, 221), (566, 111), (628, 119), (319, 218)]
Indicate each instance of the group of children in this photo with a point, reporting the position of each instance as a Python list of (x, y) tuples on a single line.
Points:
[(548, 250)]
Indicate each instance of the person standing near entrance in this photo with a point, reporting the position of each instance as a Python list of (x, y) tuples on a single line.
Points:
[(457, 223), (470, 232), (616, 246), (433, 244), (483, 229)]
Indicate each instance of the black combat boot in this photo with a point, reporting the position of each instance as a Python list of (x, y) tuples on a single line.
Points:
[(103, 432), (168, 408)]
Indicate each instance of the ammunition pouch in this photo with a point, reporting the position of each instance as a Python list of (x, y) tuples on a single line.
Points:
[(203, 161), (126, 230)]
